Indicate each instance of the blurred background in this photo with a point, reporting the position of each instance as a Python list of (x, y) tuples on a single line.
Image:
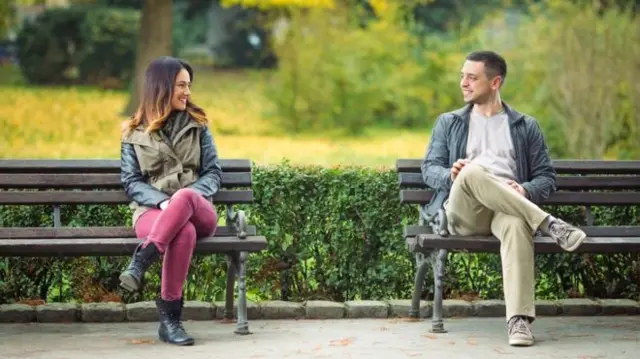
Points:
[(325, 82)]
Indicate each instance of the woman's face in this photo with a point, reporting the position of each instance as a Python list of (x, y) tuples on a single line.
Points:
[(181, 91)]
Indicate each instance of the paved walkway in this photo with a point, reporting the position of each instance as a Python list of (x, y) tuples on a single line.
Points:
[(477, 338)]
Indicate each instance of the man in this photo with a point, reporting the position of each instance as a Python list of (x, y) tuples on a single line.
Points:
[(489, 166)]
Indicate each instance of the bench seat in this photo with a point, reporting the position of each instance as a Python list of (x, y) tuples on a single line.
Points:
[(108, 241)]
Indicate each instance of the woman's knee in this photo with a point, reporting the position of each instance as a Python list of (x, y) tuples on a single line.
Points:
[(186, 236), (185, 193)]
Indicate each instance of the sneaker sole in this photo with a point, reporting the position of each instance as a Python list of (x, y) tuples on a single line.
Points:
[(521, 342), (577, 244), (128, 282)]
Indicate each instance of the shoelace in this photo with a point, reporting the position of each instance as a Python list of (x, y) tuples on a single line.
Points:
[(559, 231), (519, 327)]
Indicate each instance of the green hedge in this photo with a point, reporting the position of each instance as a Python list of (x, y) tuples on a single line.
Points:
[(334, 233)]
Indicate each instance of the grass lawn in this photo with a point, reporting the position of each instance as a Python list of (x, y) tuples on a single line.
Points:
[(82, 122)]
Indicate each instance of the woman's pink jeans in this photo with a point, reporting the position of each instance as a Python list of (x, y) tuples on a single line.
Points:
[(174, 231)]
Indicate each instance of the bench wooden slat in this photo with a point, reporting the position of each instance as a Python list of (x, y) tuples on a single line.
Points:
[(426, 242), (91, 232), (596, 167), (95, 180), (76, 247), (561, 166), (561, 198), (93, 166), (414, 180), (591, 231), (102, 197)]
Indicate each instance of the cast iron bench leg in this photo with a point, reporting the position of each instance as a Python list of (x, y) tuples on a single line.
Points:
[(232, 265), (439, 258), (243, 324), (422, 267)]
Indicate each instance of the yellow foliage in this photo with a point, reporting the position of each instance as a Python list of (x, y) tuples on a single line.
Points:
[(379, 6), (84, 123)]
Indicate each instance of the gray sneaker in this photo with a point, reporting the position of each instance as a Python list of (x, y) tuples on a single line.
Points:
[(519, 331), (567, 236)]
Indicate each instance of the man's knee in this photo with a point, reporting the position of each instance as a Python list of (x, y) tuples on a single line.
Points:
[(470, 173)]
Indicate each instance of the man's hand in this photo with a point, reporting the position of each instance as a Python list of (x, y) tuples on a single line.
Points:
[(515, 185), (457, 167)]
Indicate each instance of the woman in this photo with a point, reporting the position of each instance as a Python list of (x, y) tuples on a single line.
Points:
[(170, 170)]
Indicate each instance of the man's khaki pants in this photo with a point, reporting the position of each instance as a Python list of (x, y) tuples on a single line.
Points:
[(481, 204)]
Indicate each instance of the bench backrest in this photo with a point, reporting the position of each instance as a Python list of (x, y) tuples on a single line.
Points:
[(58, 182), (607, 182)]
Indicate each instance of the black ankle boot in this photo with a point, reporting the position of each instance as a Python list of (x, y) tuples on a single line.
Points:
[(131, 278), (171, 330)]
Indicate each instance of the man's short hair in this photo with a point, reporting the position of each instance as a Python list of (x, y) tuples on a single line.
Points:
[(494, 64)]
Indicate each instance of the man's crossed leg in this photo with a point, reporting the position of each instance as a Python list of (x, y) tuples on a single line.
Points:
[(481, 204)]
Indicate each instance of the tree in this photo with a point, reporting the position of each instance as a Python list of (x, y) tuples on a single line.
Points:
[(155, 39)]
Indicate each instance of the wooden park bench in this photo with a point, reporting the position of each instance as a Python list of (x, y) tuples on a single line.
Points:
[(581, 183), (61, 182)]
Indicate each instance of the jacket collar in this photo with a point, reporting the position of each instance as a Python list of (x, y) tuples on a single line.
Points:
[(154, 139), (514, 116)]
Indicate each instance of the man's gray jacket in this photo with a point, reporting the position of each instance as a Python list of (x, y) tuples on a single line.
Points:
[(449, 143)]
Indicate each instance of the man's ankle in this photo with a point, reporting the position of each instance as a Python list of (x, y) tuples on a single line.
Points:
[(546, 224)]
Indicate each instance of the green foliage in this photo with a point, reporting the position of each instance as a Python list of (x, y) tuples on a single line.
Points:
[(81, 44), (49, 47), (335, 73), (109, 33), (573, 65), (340, 72), (94, 42), (333, 233)]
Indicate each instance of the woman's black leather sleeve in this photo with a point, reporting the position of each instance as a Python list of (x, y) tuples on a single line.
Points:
[(208, 182), (134, 183)]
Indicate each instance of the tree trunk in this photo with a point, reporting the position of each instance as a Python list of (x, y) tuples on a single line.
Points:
[(155, 39)]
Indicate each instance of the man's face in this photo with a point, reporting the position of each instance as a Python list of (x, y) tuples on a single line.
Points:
[(475, 84)]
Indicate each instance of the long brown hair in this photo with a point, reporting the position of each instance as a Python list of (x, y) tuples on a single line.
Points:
[(155, 105)]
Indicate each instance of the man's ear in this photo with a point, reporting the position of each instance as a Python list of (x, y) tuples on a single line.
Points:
[(496, 82)]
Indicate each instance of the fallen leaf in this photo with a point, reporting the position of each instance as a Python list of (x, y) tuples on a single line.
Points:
[(430, 336), (472, 341), (143, 341), (500, 350), (341, 342)]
